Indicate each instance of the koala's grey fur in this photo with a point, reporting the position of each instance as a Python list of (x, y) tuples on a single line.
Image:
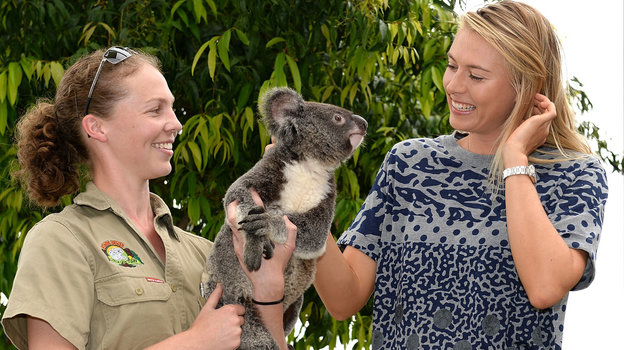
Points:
[(295, 177)]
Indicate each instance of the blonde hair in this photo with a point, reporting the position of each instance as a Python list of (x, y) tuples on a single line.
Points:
[(532, 53), (50, 146)]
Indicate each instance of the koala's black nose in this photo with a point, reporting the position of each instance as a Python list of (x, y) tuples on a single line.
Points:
[(361, 122)]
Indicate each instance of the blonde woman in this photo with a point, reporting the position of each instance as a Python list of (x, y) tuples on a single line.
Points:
[(473, 240)]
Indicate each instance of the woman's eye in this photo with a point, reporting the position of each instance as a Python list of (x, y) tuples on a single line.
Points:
[(474, 77)]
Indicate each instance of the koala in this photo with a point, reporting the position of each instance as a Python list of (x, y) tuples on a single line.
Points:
[(294, 178)]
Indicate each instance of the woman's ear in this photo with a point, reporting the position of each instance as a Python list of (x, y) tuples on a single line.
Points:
[(93, 127)]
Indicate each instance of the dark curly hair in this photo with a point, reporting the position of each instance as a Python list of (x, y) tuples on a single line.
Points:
[(50, 141)]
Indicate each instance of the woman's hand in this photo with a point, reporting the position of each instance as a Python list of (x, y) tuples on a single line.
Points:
[(530, 134), (222, 326), (214, 328), (268, 281)]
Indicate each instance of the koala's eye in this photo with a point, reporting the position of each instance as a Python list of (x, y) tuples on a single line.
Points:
[(338, 119)]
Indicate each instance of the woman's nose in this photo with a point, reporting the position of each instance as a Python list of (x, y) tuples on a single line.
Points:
[(174, 125), (454, 84)]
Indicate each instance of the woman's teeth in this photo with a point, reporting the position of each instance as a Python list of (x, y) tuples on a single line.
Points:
[(462, 107), (163, 145)]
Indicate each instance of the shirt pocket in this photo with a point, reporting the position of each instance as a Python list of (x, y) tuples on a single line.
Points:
[(119, 290), (123, 304)]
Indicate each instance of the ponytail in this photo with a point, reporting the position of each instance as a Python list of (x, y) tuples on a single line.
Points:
[(50, 151)]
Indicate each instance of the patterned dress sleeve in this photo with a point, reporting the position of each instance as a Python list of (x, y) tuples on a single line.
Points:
[(366, 230), (576, 207)]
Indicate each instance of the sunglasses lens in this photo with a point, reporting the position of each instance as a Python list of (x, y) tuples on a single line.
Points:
[(115, 55)]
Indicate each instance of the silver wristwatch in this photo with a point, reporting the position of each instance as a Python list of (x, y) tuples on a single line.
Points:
[(520, 170)]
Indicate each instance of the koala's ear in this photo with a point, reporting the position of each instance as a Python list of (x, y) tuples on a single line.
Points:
[(277, 105)]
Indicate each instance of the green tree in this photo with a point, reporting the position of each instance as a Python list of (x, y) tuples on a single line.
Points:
[(383, 59)]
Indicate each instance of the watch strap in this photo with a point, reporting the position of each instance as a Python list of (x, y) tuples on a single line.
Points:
[(520, 170)]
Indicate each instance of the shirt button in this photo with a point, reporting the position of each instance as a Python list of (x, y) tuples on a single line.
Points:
[(174, 287), (139, 291)]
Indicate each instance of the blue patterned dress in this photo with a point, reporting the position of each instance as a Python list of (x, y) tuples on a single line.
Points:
[(445, 274)]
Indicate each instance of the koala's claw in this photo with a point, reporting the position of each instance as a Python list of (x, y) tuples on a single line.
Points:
[(256, 210), (260, 224), (268, 249), (257, 227), (254, 214)]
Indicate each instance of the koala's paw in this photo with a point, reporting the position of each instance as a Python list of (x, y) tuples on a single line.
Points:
[(256, 223), (260, 229), (259, 223), (253, 257), (255, 248)]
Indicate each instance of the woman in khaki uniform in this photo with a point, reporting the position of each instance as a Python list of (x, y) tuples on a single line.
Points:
[(111, 271)]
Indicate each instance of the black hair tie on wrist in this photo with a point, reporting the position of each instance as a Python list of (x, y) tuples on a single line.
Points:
[(267, 302)]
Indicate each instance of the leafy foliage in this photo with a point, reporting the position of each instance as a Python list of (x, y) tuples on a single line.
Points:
[(383, 59)]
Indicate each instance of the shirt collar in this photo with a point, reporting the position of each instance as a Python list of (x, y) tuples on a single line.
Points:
[(93, 197)]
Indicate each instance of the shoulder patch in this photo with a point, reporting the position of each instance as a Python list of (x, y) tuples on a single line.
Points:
[(116, 253)]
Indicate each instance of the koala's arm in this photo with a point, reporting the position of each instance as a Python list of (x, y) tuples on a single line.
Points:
[(239, 191), (264, 178), (257, 225)]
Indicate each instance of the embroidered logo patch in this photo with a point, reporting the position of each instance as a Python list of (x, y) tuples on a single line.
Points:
[(115, 252)]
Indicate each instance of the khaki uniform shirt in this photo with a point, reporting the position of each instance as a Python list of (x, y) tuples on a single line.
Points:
[(98, 281)]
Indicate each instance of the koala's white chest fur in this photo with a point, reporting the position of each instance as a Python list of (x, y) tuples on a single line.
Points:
[(306, 186)]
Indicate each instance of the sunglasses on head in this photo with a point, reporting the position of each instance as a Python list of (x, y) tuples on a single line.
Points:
[(113, 55)]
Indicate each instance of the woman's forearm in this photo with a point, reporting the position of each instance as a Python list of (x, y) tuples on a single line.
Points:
[(547, 267), (273, 319), (344, 281)]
